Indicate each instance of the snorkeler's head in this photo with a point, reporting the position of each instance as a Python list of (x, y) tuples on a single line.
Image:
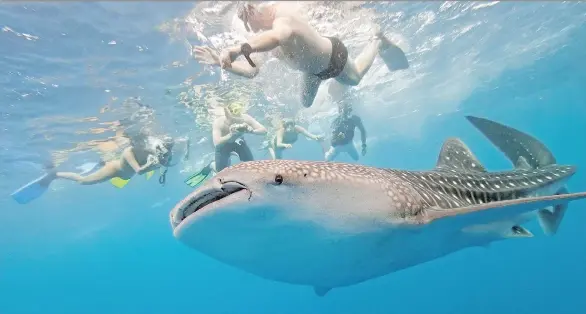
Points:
[(164, 149), (288, 124), (345, 109), (236, 109), (255, 17)]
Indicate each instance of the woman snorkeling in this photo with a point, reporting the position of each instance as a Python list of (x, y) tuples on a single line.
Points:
[(145, 154), (286, 136)]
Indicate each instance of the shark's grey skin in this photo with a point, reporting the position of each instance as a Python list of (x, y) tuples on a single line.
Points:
[(330, 225)]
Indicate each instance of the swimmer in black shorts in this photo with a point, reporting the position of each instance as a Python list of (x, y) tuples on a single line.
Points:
[(343, 134), (297, 43)]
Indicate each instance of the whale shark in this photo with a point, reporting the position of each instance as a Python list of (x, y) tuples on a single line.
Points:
[(328, 225)]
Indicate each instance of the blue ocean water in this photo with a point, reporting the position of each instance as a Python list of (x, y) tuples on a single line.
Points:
[(97, 249)]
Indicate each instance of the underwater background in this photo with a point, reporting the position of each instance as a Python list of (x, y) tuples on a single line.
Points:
[(67, 67)]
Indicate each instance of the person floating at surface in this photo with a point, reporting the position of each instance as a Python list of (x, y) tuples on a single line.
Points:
[(343, 134), (145, 154), (227, 134), (297, 43), (286, 136)]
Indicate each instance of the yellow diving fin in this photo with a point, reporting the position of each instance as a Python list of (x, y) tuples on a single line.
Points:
[(119, 182)]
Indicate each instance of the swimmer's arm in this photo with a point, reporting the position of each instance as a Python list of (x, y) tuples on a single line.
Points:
[(361, 128), (280, 133), (131, 160), (257, 128), (217, 134), (269, 40), (306, 133), (242, 68), (187, 148)]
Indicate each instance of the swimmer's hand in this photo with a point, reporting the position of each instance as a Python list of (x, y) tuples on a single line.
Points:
[(152, 160), (205, 55), (228, 56), (318, 138), (237, 129), (363, 149), (286, 145)]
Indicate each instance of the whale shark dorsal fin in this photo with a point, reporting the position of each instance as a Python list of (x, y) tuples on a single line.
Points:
[(457, 156), (321, 291), (522, 164)]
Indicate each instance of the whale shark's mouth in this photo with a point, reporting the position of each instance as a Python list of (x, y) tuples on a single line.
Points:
[(202, 198)]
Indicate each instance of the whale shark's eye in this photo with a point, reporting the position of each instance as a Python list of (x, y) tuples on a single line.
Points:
[(278, 179)]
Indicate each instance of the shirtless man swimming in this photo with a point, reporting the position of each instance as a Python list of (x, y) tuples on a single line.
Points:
[(227, 134), (297, 43)]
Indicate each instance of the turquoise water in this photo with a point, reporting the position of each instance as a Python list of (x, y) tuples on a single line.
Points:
[(97, 249)]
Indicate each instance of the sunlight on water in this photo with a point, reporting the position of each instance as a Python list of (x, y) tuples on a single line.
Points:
[(453, 47)]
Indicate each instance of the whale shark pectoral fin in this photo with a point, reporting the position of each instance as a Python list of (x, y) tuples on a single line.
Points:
[(321, 291), (496, 211)]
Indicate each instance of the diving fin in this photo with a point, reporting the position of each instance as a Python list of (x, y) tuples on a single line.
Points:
[(37, 187), (119, 182), (392, 55), (197, 178), (34, 189)]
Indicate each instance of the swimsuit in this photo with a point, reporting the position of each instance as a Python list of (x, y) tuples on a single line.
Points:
[(337, 60), (223, 153), (343, 130)]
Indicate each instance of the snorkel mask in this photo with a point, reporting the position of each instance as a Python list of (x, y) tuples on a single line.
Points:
[(236, 109), (163, 150)]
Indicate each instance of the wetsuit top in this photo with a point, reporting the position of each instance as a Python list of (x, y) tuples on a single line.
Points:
[(343, 129)]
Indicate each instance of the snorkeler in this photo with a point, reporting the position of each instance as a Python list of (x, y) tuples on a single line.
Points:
[(227, 133), (343, 134), (296, 42), (286, 136), (145, 154)]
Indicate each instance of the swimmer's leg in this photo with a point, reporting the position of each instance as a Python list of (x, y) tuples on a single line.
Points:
[(354, 70), (352, 152), (310, 86), (107, 172), (332, 153), (243, 151), (222, 159), (279, 153), (272, 152)]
